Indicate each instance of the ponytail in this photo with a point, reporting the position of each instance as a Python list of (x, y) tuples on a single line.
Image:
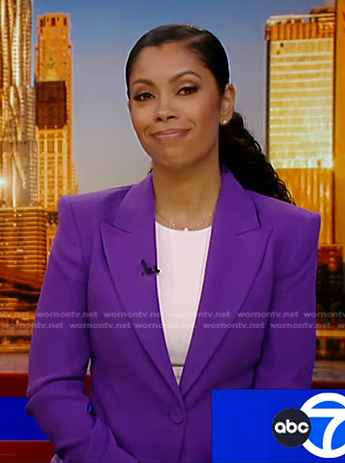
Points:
[(242, 154)]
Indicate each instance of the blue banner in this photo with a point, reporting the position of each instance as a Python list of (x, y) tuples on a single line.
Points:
[(15, 423), (273, 426)]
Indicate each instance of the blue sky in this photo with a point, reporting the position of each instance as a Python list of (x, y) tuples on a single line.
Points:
[(106, 151)]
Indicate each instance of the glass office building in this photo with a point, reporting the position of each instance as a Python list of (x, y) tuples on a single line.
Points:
[(300, 112)]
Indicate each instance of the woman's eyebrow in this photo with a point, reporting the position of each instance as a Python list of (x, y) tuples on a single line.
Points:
[(171, 80)]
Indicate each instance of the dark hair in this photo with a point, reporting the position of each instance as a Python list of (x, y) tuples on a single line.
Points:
[(238, 150)]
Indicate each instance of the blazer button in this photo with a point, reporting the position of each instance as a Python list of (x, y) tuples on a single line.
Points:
[(177, 415)]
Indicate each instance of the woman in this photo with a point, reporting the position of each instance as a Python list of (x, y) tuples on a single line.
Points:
[(185, 271)]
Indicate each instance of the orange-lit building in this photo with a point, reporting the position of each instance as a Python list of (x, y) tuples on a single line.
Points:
[(18, 147), (23, 252), (300, 115), (54, 92), (339, 125), (306, 142), (330, 307), (330, 285), (23, 239)]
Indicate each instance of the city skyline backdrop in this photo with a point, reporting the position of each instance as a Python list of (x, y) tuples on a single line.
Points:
[(102, 35), (305, 82)]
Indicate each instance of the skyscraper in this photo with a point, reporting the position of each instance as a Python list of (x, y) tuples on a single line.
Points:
[(339, 124), (23, 240), (300, 116), (53, 76), (18, 148)]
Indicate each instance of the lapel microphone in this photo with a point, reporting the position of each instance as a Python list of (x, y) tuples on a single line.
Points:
[(149, 270)]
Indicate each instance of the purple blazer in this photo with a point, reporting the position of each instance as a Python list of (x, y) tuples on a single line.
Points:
[(261, 269)]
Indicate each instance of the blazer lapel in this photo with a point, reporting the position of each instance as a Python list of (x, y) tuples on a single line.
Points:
[(128, 240), (236, 251)]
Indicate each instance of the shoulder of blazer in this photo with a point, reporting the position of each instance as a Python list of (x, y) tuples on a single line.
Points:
[(294, 229), (274, 210), (90, 209), (97, 206)]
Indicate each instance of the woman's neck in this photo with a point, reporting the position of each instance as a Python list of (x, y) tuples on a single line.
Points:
[(186, 197)]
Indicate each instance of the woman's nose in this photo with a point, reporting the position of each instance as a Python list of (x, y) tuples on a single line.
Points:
[(165, 109)]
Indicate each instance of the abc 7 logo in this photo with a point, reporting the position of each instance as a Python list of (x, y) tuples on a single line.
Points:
[(291, 427)]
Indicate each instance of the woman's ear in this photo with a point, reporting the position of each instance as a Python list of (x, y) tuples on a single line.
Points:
[(228, 102)]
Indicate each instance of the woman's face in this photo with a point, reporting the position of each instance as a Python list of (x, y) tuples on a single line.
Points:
[(176, 107)]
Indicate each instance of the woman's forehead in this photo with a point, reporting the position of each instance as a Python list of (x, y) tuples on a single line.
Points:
[(166, 59)]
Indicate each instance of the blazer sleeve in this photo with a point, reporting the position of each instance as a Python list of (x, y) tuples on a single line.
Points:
[(59, 356), (288, 351)]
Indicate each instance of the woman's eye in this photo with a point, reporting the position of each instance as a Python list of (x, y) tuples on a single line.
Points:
[(143, 96), (188, 90)]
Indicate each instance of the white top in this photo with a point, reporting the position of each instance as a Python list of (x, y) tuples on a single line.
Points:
[(181, 259)]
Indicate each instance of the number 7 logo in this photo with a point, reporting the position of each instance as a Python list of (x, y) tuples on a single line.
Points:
[(338, 415)]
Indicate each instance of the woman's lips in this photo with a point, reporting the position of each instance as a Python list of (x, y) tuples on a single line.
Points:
[(169, 134)]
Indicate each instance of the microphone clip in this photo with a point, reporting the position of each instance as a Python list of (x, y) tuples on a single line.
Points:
[(149, 270)]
